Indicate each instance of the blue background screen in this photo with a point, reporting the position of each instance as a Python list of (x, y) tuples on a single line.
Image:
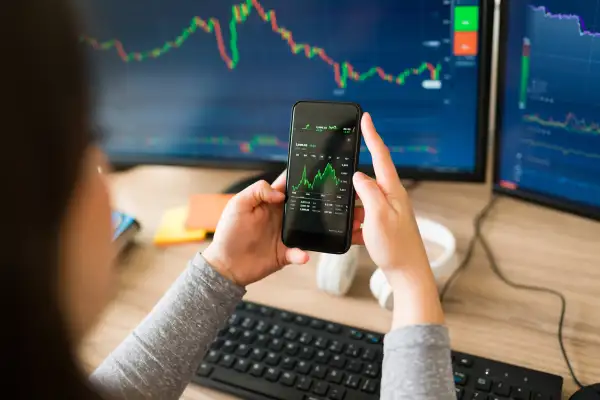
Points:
[(550, 141), (199, 79)]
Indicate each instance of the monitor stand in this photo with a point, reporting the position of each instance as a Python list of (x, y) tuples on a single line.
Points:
[(237, 187)]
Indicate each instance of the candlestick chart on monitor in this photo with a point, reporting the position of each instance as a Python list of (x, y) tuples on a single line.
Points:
[(218, 78)]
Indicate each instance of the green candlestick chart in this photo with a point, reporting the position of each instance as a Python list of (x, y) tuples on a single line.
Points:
[(321, 179)]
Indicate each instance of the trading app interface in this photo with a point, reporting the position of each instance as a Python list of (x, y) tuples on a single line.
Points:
[(322, 157), (550, 138)]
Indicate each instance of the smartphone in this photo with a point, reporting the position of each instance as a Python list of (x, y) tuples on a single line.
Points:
[(322, 157)]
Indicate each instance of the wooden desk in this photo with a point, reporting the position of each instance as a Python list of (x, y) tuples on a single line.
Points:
[(533, 245)]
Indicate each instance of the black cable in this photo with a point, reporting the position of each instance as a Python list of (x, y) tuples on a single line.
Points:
[(563, 301), (478, 223), (480, 217)]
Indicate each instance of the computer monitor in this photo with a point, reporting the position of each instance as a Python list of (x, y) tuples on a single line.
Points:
[(548, 119), (212, 82)]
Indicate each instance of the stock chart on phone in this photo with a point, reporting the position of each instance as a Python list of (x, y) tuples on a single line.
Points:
[(217, 79), (550, 139)]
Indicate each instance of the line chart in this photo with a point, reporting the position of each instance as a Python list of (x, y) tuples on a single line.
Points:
[(573, 17), (320, 178), (343, 71), (570, 123), (566, 151)]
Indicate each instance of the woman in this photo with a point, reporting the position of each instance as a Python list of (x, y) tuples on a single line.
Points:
[(59, 254)]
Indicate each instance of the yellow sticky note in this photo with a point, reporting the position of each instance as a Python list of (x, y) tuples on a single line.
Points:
[(172, 229)]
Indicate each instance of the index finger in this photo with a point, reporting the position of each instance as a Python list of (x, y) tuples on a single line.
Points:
[(279, 183), (385, 170)]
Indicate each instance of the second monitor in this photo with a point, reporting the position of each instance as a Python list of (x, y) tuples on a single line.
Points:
[(212, 82)]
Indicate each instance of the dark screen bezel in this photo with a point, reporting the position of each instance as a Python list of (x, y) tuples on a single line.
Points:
[(486, 17), (324, 243), (531, 196)]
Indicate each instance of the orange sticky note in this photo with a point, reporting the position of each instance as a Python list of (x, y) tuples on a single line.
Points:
[(204, 211), (172, 229)]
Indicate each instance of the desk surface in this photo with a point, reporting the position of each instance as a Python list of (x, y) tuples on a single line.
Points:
[(486, 318)]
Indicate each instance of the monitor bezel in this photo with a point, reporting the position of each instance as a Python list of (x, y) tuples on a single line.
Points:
[(530, 196), (477, 175)]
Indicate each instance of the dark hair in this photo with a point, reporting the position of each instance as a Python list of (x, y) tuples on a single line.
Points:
[(44, 118)]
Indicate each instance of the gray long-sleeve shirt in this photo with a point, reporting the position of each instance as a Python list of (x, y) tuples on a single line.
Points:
[(157, 360)]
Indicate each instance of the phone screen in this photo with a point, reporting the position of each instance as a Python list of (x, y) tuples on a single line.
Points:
[(323, 155)]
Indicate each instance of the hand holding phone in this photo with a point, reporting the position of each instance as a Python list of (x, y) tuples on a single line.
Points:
[(322, 158)]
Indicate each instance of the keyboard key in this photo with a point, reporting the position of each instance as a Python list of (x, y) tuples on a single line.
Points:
[(369, 355), (242, 365), (319, 371), (262, 340), (248, 323), (303, 367), (459, 393), (540, 396), (243, 350), (276, 344), (338, 361), (301, 320), (519, 393), (258, 354), (501, 389), (356, 335), (352, 381), (353, 351), (291, 335), (250, 383), (233, 333), (248, 337), (213, 356), (372, 370), (321, 343), (204, 370), (276, 331), (288, 379), (321, 388), (217, 344), (336, 347), (369, 386), (483, 384), (229, 347), (465, 361), (288, 363), (354, 366), (316, 324), (227, 361), (460, 378), (251, 307), (337, 393), (292, 349), (265, 311), (479, 396), (272, 359), (373, 339), (305, 339), (286, 316), (304, 383), (272, 374), (333, 328), (262, 327), (335, 376), (257, 370), (307, 353), (322, 357)]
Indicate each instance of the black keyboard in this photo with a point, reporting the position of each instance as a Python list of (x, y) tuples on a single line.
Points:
[(265, 353)]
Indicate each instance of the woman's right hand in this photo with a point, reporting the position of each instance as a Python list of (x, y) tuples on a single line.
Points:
[(391, 236)]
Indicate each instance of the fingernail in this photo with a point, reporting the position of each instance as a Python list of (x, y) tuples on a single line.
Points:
[(360, 176)]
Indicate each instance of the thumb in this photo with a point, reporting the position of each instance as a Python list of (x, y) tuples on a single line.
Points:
[(256, 194), (296, 256), (369, 192)]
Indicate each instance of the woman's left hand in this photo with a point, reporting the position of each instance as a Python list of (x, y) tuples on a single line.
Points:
[(247, 243)]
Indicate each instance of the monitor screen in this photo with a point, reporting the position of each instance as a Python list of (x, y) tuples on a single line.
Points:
[(196, 81), (548, 141)]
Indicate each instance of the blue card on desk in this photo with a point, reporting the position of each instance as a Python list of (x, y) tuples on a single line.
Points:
[(125, 228)]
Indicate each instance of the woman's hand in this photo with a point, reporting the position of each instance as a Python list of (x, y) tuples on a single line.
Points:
[(247, 243), (391, 235)]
